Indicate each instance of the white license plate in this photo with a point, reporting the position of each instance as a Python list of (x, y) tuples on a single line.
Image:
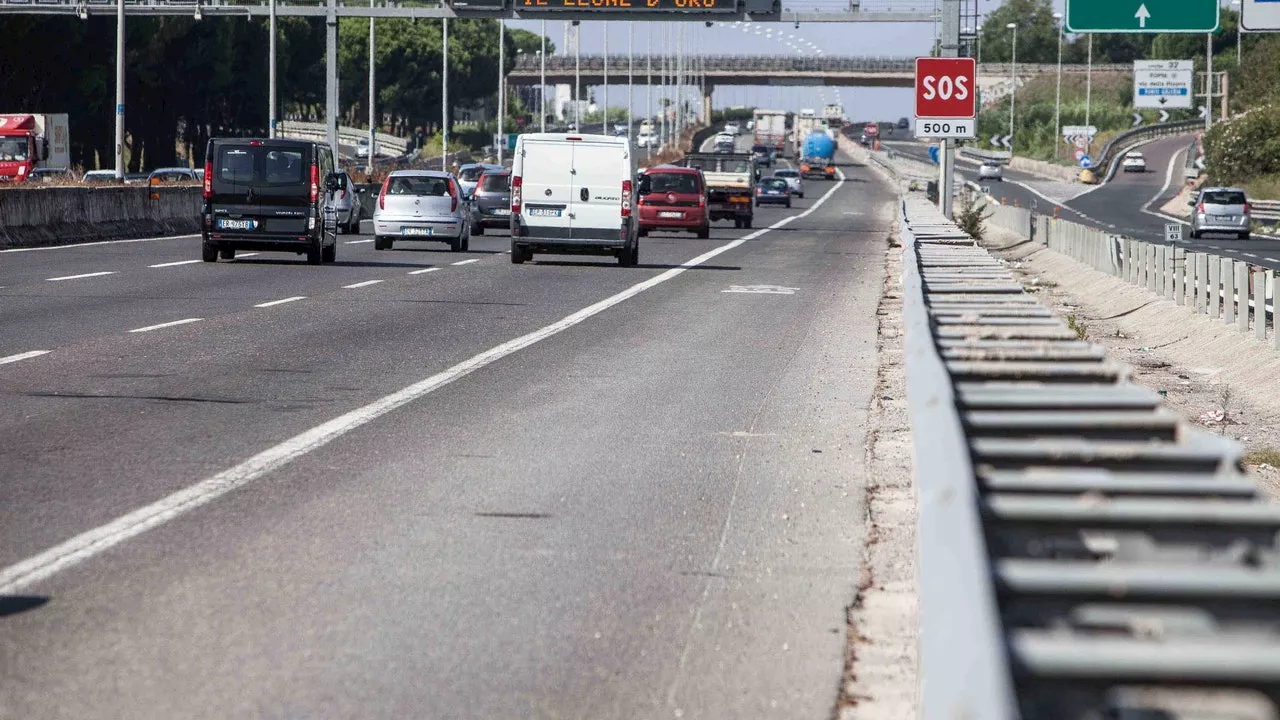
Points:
[(423, 232), (502, 211), (228, 224), (544, 212), (1224, 218), (673, 215)]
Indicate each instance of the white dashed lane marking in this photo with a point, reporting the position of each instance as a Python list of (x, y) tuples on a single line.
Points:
[(366, 283), (22, 356), (281, 302), (149, 328), (359, 242), (467, 262), (419, 272), (172, 264), (85, 275)]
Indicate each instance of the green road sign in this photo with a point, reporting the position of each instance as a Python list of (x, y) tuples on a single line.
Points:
[(1142, 16)]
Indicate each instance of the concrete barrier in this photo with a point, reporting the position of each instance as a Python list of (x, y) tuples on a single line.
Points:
[(65, 215)]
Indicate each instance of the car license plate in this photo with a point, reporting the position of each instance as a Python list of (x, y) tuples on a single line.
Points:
[(229, 224), (673, 215), (425, 232), (544, 212), (502, 211), (1224, 218)]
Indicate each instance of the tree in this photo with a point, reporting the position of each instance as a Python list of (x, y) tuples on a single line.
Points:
[(1037, 32)]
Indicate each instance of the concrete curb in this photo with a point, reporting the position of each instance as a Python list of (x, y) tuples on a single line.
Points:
[(42, 217)]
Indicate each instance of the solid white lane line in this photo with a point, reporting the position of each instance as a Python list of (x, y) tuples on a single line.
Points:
[(98, 242), (172, 264), (77, 277), (366, 283), (419, 272), (22, 356), (281, 302), (359, 242), (92, 542), (1249, 255), (241, 255), (149, 328), (466, 262)]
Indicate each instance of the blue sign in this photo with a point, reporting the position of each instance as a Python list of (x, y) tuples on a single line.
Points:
[(1086, 162), (1164, 91), (120, 109), (933, 154)]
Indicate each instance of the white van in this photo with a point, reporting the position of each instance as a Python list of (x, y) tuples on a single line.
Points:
[(572, 194)]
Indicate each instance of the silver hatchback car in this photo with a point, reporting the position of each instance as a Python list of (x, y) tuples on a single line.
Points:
[(421, 205), (1221, 210)]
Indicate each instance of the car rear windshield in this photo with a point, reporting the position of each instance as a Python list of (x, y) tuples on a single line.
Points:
[(1224, 197), (673, 183), (774, 183), (470, 174), (760, 149), (261, 166), (495, 183), (428, 186), (787, 173)]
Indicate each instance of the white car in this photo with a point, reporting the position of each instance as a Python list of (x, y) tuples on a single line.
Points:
[(991, 170), (1134, 162), (646, 139), (793, 180), (421, 205), (362, 148), (732, 128), (573, 194)]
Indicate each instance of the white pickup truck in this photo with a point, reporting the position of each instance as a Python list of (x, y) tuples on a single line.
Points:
[(730, 180)]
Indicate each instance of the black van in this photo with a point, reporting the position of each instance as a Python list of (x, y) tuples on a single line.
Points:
[(269, 194)]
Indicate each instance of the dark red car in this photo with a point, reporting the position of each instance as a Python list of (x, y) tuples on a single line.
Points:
[(673, 198)]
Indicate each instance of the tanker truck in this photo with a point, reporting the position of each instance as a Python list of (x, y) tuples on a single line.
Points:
[(817, 156)]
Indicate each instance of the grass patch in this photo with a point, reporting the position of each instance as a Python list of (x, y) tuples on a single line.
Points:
[(1265, 456), (1263, 187), (1078, 327)]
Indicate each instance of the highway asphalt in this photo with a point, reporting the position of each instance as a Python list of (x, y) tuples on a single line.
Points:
[(1130, 204), (428, 484)]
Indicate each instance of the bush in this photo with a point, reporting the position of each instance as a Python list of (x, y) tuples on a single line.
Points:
[(1238, 150), (970, 219)]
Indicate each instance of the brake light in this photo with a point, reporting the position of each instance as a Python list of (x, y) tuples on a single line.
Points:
[(1200, 209), (702, 201), (1246, 208), (759, 190), (315, 182), (208, 180), (517, 193), (626, 198), (382, 194), (453, 196)]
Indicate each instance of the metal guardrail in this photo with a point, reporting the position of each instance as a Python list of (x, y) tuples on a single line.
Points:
[(1268, 210), (531, 64), (349, 135), (1083, 552), (1111, 151)]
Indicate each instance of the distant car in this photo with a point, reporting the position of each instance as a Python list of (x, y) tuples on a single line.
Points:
[(1221, 210), (773, 191), (673, 198), (991, 170), (620, 129), (762, 155), (347, 204), (53, 176), (491, 202), (421, 205), (174, 175), (469, 175), (794, 180), (99, 176), (136, 178), (865, 140), (725, 144), (1134, 162), (751, 125), (732, 128), (903, 123), (362, 148)]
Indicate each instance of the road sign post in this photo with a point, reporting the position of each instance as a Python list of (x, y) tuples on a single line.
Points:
[(945, 96), (1149, 16), (1162, 83), (1172, 232)]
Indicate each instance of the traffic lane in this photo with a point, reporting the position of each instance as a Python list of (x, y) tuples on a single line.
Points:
[(655, 511), (147, 413), (43, 313), (1118, 205)]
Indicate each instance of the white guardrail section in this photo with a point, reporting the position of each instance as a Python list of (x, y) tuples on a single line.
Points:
[(388, 145), (1223, 288)]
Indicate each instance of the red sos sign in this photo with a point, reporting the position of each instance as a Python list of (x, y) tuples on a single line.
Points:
[(945, 87)]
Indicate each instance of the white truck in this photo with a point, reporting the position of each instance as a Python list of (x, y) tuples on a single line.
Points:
[(28, 142), (805, 123), (771, 129)]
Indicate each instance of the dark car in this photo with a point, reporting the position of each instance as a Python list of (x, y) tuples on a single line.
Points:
[(274, 194), (773, 191), (903, 123), (762, 155), (673, 198), (491, 206)]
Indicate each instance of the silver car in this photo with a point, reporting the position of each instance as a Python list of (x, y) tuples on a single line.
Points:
[(793, 180), (347, 204), (421, 205), (991, 170), (1221, 210)]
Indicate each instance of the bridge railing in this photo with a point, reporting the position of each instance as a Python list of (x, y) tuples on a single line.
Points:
[(393, 145), (527, 65)]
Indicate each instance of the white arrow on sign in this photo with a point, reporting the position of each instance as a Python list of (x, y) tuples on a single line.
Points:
[(1005, 142), (1164, 115), (1142, 15), (1203, 112), (1137, 119), (995, 141), (1199, 163)]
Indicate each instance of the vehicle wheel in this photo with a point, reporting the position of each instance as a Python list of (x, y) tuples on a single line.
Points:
[(737, 224), (704, 232), (315, 254), (330, 254), (353, 228), (1244, 236), (788, 204), (208, 253), (381, 243), (466, 241), (477, 229), (227, 253), (801, 196), (642, 232), (746, 224), (628, 255), (519, 254), (455, 244)]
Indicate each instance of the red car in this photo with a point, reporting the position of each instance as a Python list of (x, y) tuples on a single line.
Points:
[(673, 198)]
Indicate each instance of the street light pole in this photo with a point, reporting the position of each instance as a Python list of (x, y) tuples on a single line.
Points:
[(271, 71), (1088, 97), (542, 61), (1208, 81), (120, 90), (1013, 82), (604, 118), (502, 87), (1057, 94), (444, 100), (1239, 29), (373, 99), (577, 77), (630, 89)]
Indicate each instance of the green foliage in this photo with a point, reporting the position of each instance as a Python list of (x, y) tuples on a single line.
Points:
[(969, 218), (1258, 79), (1037, 32), (1243, 148)]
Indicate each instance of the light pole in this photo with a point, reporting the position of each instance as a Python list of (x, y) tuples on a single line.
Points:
[(1088, 96), (502, 87), (444, 98), (1057, 94), (1013, 81), (630, 67), (1239, 29), (120, 91), (271, 69), (604, 118), (373, 126), (542, 62), (577, 78)]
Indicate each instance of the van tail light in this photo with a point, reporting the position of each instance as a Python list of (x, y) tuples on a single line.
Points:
[(453, 197), (382, 194), (517, 194), (315, 182), (1246, 208), (208, 180), (702, 201), (1200, 209), (626, 198)]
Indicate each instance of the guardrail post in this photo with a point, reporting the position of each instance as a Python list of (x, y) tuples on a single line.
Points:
[(1127, 270), (1144, 268), (1242, 290), (1165, 255), (1228, 290), (1215, 286), (1152, 268), (1260, 304), (1179, 275), (1201, 287), (1189, 281)]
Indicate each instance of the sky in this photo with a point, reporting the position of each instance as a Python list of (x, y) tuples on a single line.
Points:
[(861, 39)]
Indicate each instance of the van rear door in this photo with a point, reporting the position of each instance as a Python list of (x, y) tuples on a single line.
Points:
[(260, 188), (595, 204), (547, 187)]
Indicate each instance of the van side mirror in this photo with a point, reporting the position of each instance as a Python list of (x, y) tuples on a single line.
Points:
[(644, 187), (1191, 202), (333, 182)]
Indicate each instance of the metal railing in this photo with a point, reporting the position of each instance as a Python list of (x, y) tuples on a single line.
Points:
[(348, 135), (1112, 150), (531, 64), (1083, 551)]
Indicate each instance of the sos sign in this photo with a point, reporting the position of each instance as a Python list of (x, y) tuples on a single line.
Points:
[(946, 91)]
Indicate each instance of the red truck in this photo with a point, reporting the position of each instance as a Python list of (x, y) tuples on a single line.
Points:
[(28, 142)]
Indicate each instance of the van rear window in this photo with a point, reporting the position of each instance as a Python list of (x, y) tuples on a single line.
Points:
[(470, 174), (260, 166), (428, 186), (1224, 197), (673, 182), (496, 183)]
